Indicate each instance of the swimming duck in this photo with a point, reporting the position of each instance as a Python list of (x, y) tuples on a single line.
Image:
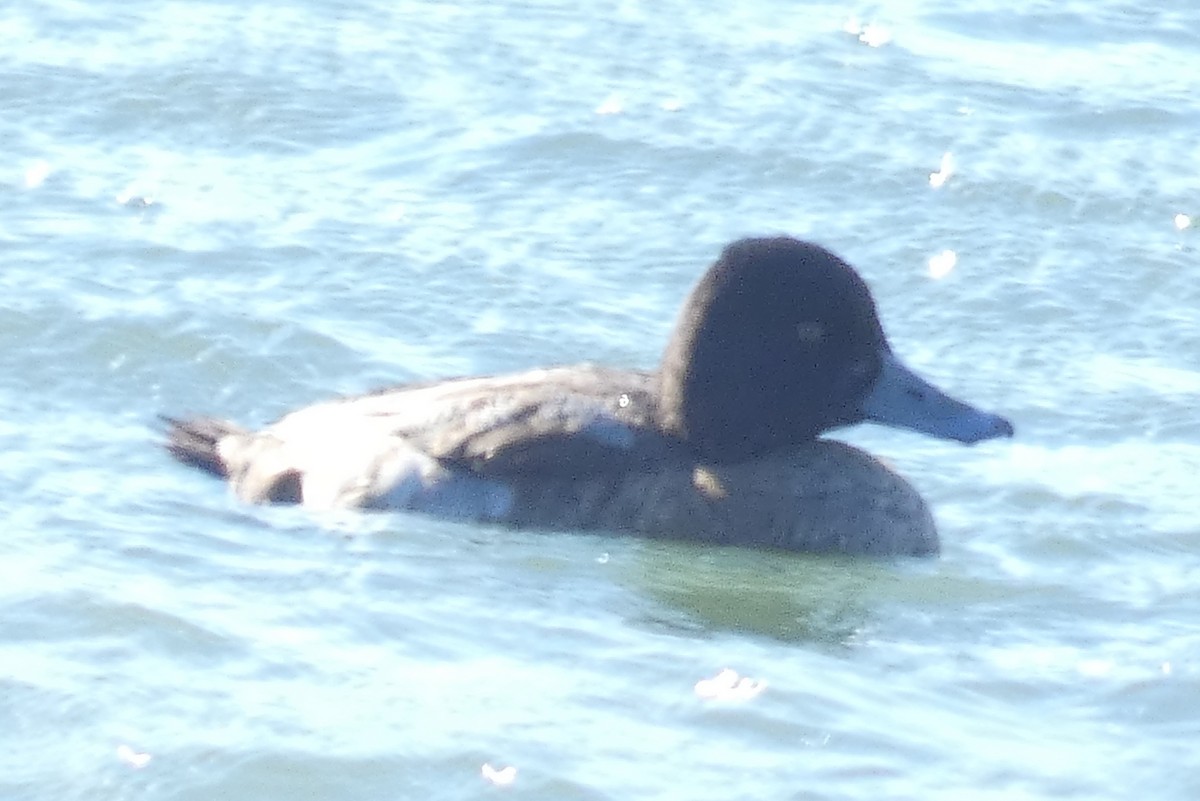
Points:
[(778, 343)]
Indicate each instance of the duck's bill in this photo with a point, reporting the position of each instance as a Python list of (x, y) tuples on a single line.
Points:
[(902, 399)]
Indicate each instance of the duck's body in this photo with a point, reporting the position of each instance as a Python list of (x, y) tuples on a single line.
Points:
[(776, 344)]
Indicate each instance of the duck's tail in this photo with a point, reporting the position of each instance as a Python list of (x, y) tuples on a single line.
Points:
[(194, 442)]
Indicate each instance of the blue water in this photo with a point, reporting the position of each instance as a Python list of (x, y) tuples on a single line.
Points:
[(237, 209)]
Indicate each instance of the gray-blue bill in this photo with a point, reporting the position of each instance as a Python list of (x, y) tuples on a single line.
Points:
[(902, 399)]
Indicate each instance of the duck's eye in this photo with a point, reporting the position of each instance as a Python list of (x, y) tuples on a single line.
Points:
[(858, 370), (810, 332)]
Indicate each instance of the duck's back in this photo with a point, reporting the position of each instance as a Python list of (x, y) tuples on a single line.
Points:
[(560, 422), (576, 420)]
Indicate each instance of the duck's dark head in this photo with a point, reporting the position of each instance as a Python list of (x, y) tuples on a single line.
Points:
[(779, 342)]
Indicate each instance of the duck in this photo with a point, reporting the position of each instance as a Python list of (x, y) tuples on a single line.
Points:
[(777, 344)]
